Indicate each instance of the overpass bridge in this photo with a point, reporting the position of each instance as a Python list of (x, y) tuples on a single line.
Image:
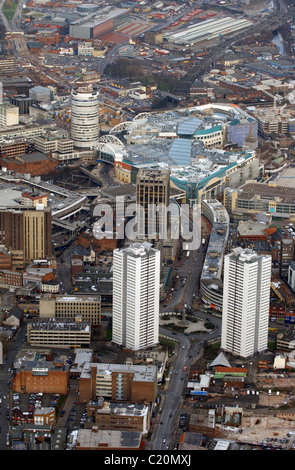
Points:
[(65, 225), (89, 192), (91, 176)]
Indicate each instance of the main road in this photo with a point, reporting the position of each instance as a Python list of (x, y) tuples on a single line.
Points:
[(5, 377), (190, 347), (188, 352), (3, 17)]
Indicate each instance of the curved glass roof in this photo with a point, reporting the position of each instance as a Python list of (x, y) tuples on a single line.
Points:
[(189, 127)]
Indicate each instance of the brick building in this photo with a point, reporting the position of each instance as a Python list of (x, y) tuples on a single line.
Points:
[(41, 376), (35, 163), (118, 382), (47, 39), (204, 422), (33, 198), (16, 147), (86, 240), (119, 416), (10, 279), (5, 258)]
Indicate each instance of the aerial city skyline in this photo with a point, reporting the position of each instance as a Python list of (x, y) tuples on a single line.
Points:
[(147, 237)]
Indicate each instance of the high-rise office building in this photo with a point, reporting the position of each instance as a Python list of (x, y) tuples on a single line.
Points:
[(26, 233), (84, 117), (246, 294), (136, 285), (286, 254), (152, 193)]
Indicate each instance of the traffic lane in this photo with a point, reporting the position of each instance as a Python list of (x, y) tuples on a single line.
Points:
[(165, 429), (190, 269), (186, 356), (209, 317), (176, 384)]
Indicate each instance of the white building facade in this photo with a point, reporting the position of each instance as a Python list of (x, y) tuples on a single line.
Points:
[(9, 115), (84, 117), (246, 296), (136, 286)]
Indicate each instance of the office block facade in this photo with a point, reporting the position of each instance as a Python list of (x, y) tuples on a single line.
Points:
[(152, 189), (118, 382), (79, 307), (26, 233), (8, 115)]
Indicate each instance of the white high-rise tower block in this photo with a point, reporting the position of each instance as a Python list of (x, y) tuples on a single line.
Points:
[(136, 286), (246, 295)]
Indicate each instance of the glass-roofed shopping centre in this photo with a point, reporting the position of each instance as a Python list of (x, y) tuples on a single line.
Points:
[(205, 148)]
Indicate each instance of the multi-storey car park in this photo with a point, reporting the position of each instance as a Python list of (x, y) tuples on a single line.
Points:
[(276, 199), (211, 284), (60, 334), (63, 202)]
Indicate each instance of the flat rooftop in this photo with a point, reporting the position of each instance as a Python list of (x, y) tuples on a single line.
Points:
[(271, 114), (93, 438), (213, 262), (67, 324), (10, 196), (131, 409), (78, 298), (105, 14), (287, 178), (58, 198), (120, 190), (269, 192), (142, 373)]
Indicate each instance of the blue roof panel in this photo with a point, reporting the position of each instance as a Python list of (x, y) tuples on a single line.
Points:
[(180, 152), (189, 126)]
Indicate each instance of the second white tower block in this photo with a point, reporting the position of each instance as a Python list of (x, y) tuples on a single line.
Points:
[(246, 295), (136, 286)]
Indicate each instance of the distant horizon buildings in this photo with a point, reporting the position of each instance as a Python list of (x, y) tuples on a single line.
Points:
[(246, 295), (84, 117), (136, 286)]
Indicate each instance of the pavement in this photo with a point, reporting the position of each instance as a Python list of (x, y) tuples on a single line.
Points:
[(190, 327)]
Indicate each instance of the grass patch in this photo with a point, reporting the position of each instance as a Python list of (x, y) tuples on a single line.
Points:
[(109, 334), (9, 8), (167, 343)]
